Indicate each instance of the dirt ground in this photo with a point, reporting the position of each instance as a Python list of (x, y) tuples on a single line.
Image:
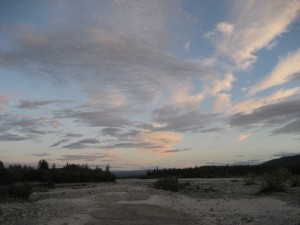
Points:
[(136, 202)]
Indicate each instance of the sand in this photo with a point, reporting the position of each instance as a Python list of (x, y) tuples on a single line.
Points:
[(136, 202)]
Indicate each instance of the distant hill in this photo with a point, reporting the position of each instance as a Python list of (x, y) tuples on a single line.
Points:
[(290, 162), (287, 161)]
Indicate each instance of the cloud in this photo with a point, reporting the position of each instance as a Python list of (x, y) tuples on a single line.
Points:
[(156, 142), (285, 113), (105, 118), (3, 101), (117, 156), (222, 102), (73, 135), (290, 128), (11, 137), (244, 35), (41, 154), (85, 157), (111, 97), (174, 119), (30, 104), (222, 85), (187, 45), (119, 45), (243, 137), (137, 144), (55, 123), (58, 143), (110, 131), (107, 156), (121, 134), (249, 105), (160, 138), (84, 143), (177, 150), (283, 72), (225, 28), (29, 126), (182, 96)]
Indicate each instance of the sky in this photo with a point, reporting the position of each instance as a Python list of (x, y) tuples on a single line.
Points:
[(144, 83)]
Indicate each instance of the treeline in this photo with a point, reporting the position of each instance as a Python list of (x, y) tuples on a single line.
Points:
[(215, 171), (70, 173)]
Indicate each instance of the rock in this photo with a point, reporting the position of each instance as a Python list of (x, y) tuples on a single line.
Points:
[(33, 197), (247, 219)]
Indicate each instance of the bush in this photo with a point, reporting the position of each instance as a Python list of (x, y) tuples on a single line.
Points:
[(3, 192), (295, 181), (250, 179), (20, 190), (275, 180), (169, 183)]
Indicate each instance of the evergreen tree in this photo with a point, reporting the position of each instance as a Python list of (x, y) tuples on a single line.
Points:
[(43, 165)]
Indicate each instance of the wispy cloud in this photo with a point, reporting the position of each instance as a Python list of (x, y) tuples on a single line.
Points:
[(181, 95), (290, 128), (132, 42), (105, 118), (58, 143), (41, 154), (243, 137), (3, 101), (31, 104), (222, 102), (84, 143), (249, 105), (283, 72), (177, 150), (222, 85), (253, 25), (29, 126), (163, 139), (85, 157), (11, 137), (73, 135), (174, 119), (120, 134), (285, 114)]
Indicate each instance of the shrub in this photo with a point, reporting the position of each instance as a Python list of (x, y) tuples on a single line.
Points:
[(250, 179), (295, 181), (169, 183), (20, 190), (275, 180), (3, 192)]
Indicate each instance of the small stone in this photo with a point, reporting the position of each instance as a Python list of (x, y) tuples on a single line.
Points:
[(247, 219)]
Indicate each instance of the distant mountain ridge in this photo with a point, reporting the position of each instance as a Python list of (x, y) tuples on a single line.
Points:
[(286, 161), (289, 162)]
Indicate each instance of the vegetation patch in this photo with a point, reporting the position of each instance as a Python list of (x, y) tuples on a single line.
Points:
[(295, 181), (20, 190), (168, 183), (250, 179), (70, 173), (275, 180)]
